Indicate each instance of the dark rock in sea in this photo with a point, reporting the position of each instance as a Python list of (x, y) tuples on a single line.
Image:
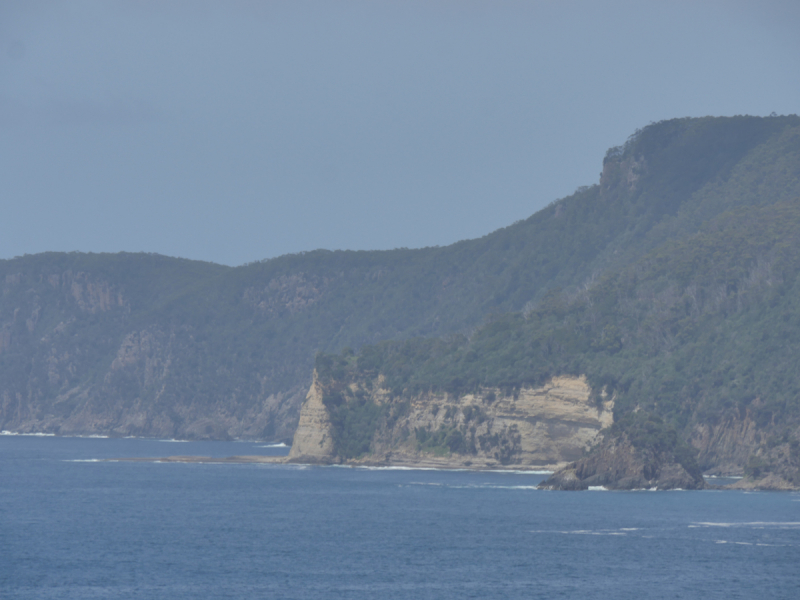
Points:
[(774, 467), (617, 464), (768, 483), (565, 479)]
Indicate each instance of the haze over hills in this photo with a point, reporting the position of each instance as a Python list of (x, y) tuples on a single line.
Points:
[(640, 282)]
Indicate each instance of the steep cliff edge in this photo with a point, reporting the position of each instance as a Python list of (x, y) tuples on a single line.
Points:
[(361, 422), (313, 439), (725, 446), (116, 345), (679, 279)]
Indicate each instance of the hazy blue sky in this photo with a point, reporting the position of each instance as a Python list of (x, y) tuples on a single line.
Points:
[(235, 131)]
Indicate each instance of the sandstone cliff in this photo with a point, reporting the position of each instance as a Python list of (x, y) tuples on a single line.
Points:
[(313, 441), (678, 278), (536, 428)]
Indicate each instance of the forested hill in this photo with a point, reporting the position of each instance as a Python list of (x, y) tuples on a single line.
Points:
[(138, 344), (700, 335)]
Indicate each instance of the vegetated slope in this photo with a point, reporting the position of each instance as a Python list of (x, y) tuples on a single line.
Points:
[(349, 417), (703, 333), (147, 345)]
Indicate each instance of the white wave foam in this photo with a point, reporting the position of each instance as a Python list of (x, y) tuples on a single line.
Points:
[(755, 524), (593, 532), (752, 544), (771, 545), (388, 468), (521, 472), (511, 487), (582, 531), (446, 470), (83, 460), (40, 434), (278, 445), (173, 441), (487, 487), (395, 468), (450, 470), (598, 488)]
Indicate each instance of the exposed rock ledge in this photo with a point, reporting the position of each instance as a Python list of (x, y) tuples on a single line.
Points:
[(535, 429), (617, 465), (566, 479), (769, 483)]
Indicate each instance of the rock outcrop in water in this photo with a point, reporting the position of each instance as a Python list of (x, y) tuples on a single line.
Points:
[(775, 467), (536, 428), (313, 440), (618, 464)]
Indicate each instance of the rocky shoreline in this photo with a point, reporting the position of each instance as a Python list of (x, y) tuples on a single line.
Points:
[(235, 460), (619, 465), (570, 478), (614, 465), (428, 463)]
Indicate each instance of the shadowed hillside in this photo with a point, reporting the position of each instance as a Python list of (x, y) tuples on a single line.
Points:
[(135, 344)]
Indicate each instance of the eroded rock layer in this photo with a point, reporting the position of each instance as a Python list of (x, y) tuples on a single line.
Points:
[(535, 428), (313, 439)]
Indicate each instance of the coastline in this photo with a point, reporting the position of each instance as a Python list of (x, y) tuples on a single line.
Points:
[(371, 465), (267, 444), (230, 460), (424, 465), (769, 483)]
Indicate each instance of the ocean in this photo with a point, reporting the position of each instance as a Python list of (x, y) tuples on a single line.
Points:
[(74, 525)]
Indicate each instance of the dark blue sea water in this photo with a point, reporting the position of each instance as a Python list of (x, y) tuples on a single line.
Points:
[(74, 529)]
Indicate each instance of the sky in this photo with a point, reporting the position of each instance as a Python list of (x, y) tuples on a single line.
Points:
[(236, 131)]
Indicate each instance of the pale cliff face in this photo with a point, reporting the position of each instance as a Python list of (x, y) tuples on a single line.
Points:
[(556, 422), (543, 427), (312, 440)]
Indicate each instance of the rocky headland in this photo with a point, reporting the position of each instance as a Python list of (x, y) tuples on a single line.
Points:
[(616, 464), (669, 289), (535, 428)]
